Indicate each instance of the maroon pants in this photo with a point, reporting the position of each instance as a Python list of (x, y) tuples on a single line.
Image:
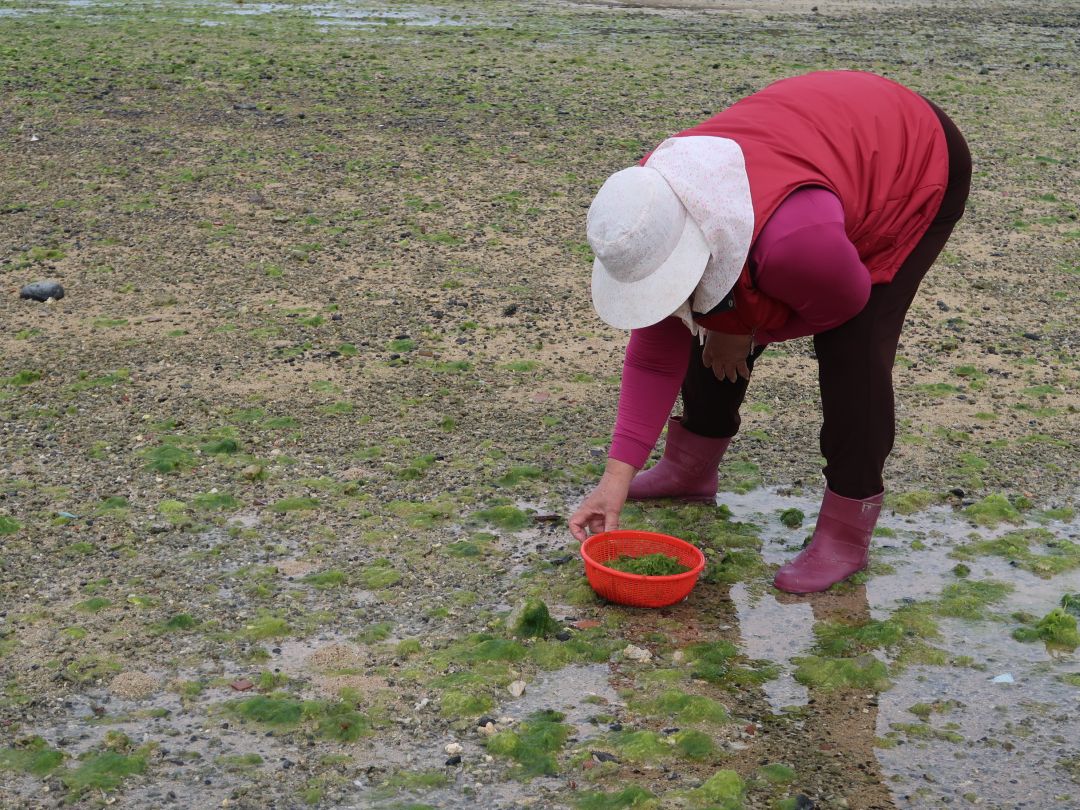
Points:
[(855, 359)]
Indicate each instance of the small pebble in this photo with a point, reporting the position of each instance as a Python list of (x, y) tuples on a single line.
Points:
[(636, 653), (43, 291)]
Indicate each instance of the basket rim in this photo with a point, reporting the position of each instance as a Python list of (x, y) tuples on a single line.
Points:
[(615, 534)]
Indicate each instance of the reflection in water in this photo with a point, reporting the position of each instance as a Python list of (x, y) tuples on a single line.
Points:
[(845, 723), (771, 630), (1005, 745)]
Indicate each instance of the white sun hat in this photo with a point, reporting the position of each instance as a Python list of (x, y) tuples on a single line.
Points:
[(677, 227)]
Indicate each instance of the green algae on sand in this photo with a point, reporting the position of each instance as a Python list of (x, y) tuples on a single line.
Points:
[(724, 790), (32, 756), (534, 744), (104, 771), (332, 720), (861, 672), (1057, 628), (684, 708), (1059, 555), (629, 798), (534, 621)]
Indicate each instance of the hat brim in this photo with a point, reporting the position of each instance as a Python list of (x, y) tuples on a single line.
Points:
[(637, 304)]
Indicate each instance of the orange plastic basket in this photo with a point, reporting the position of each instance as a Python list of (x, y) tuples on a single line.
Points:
[(635, 589)]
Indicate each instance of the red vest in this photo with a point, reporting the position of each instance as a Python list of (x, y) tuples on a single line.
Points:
[(875, 144)]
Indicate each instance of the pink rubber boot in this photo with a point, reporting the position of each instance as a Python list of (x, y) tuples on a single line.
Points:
[(687, 470), (839, 548)]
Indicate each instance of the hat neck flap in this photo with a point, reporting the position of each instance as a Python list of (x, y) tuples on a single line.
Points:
[(708, 175)]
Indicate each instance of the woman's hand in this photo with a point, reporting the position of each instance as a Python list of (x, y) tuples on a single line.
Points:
[(726, 355), (599, 512)]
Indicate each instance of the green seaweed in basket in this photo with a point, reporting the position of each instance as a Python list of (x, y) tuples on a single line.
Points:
[(649, 565)]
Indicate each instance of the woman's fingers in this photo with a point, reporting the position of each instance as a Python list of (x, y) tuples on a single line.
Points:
[(725, 369), (579, 523), (592, 521)]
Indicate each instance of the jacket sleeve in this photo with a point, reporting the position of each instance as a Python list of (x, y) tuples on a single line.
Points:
[(818, 274), (653, 371)]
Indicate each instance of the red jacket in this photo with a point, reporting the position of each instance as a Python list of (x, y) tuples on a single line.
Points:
[(875, 144)]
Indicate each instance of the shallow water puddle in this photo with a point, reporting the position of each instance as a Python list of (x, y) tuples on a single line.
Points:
[(335, 14), (760, 620), (577, 692), (199, 755), (1015, 736), (1002, 743)]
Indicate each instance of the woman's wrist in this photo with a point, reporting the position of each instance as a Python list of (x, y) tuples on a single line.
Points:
[(616, 470)]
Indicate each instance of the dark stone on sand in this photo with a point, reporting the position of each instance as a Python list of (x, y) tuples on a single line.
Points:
[(454, 760), (42, 291)]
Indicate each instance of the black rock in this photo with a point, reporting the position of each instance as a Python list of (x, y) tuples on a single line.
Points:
[(454, 760), (604, 756), (42, 291), (510, 310), (803, 803), (563, 636)]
